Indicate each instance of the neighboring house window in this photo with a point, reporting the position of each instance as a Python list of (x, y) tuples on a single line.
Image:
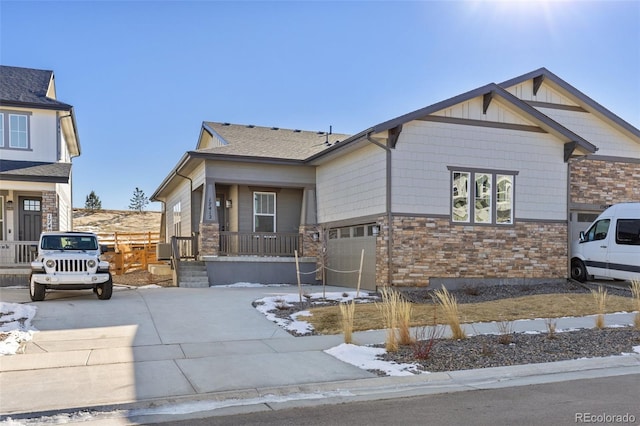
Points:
[(264, 212), (18, 131), (14, 130), (482, 197), (177, 219)]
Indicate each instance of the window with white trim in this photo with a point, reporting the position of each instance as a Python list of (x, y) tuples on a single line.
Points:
[(1, 130), (482, 197), (18, 131), (264, 212)]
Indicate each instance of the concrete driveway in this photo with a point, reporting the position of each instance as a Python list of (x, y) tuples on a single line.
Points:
[(157, 343)]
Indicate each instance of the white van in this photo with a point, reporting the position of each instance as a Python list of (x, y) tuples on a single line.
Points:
[(610, 248)]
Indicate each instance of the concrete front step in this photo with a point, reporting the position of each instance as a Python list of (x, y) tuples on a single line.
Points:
[(193, 275)]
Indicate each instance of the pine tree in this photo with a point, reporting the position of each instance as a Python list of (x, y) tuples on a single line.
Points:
[(139, 200), (93, 202)]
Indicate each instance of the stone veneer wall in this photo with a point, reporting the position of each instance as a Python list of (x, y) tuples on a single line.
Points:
[(311, 248), (425, 248), (50, 207), (209, 239), (604, 182)]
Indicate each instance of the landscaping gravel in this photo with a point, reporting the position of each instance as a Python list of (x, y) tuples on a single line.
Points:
[(487, 350), (514, 348)]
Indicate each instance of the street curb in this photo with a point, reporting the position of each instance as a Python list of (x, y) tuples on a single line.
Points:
[(330, 393)]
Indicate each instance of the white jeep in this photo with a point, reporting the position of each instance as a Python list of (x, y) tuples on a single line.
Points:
[(69, 261)]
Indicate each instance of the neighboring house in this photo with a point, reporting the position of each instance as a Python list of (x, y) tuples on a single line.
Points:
[(38, 139), (486, 187)]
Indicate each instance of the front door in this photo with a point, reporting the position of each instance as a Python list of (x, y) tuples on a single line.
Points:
[(30, 218)]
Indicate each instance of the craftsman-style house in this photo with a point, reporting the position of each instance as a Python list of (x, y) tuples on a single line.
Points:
[(488, 186)]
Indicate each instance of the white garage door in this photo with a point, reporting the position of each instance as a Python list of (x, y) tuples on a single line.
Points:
[(580, 221), (344, 250)]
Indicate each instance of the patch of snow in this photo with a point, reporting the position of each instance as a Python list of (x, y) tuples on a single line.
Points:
[(251, 285), (15, 325), (365, 357), (636, 349), (271, 304), (148, 286)]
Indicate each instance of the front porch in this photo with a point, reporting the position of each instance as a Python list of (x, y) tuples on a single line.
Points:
[(251, 257)]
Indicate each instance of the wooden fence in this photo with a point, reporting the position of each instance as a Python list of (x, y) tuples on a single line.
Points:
[(129, 250)]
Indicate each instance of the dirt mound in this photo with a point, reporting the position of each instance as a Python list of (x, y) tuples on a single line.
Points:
[(115, 221)]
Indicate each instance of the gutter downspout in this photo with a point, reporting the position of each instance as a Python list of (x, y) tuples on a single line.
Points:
[(388, 205)]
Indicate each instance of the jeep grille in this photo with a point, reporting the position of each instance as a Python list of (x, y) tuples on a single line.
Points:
[(71, 265)]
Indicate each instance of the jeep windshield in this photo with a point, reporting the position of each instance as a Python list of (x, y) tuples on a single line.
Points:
[(69, 242)]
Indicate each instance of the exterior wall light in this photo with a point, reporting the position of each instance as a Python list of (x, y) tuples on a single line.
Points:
[(228, 204), (9, 204), (375, 229), (316, 236)]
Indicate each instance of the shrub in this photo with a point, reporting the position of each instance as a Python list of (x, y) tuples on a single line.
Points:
[(551, 328), (452, 316), (389, 311), (600, 297), (505, 332), (347, 311), (426, 338)]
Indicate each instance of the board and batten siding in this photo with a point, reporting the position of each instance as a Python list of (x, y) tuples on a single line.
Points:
[(352, 185), (610, 141), (421, 180), (545, 93)]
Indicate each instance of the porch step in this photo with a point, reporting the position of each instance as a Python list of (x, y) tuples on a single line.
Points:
[(193, 274)]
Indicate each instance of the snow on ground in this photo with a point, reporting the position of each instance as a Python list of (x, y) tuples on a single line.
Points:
[(15, 326), (271, 304), (365, 357)]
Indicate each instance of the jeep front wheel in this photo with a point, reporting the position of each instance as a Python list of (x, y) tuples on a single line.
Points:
[(105, 289), (36, 291)]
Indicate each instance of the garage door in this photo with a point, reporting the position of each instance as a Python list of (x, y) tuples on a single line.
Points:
[(580, 221), (344, 250)]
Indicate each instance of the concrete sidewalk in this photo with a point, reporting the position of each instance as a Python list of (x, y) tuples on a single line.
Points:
[(157, 347)]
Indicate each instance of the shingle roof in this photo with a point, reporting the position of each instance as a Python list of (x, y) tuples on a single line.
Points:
[(35, 171), (27, 86), (268, 142)]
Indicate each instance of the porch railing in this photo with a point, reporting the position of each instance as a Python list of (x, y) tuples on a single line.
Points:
[(259, 243), (17, 253)]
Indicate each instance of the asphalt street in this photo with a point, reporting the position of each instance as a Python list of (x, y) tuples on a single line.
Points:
[(607, 400)]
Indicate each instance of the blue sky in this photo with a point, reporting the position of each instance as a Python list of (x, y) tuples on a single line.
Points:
[(142, 76)]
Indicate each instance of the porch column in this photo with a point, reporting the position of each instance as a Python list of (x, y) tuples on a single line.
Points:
[(209, 236), (49, 209), (311, 233)]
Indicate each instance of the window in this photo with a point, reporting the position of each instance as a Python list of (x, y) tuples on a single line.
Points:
[(598, 231), (1, 130), (628, 232), (264, 212), (177, 219), (31, 205), (18, 133), (482, 197)]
